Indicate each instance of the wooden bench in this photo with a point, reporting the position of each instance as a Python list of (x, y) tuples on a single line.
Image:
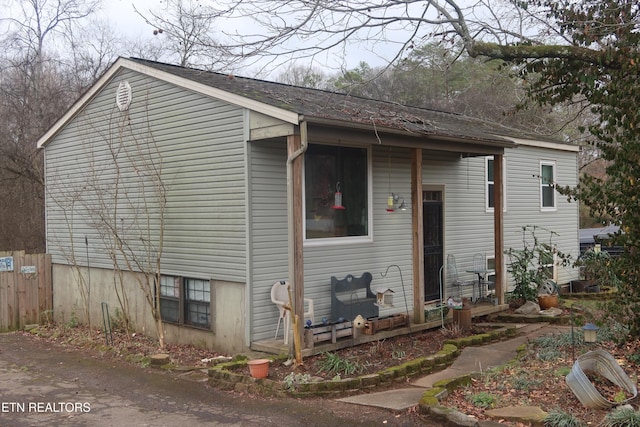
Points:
[(352, 296)]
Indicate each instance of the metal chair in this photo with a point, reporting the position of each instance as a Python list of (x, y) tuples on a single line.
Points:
[(280, 297), (453, 279), (480, 269), (442, 303)]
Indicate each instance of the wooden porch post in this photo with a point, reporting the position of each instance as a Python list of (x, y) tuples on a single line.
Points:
[(296, 259), (498, 226), (418, 238)]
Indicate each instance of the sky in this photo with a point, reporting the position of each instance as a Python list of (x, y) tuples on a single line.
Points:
[(122, 16)]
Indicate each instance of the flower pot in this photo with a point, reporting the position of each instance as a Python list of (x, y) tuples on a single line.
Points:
[(579, 285), (548, 301), (593, 288), (259, 368)]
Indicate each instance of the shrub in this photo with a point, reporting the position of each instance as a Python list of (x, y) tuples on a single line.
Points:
[(623, 417), (293, 380), (483, 400), (553, 347), (597, 268), (561, 419), (527, 265), (334, 364)]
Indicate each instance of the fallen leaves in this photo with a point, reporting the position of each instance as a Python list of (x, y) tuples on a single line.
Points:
[(531, 381)]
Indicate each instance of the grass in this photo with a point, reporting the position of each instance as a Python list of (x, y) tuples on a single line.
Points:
[(524, 382), (553, 347), (562, 371)]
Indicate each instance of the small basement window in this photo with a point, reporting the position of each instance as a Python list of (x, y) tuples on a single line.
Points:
[(185, 301)]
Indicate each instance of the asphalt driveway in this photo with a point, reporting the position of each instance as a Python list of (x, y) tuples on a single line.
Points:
[(45, 384)]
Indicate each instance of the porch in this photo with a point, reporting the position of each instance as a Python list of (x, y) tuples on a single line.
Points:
[(276, 346)]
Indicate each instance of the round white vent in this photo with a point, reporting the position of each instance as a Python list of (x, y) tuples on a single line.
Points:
[(123, 96)]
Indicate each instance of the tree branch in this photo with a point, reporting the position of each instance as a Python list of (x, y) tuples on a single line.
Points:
[(523, 52)]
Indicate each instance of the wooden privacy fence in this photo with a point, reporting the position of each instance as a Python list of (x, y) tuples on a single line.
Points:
[(26, 292)]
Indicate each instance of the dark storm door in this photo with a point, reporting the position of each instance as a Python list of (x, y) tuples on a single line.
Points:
[(432, 225)]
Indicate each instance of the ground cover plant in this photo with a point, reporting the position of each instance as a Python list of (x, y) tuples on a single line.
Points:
[(371, 357), (537, 377)]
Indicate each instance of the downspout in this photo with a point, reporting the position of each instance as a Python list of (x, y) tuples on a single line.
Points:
[(290, 219)]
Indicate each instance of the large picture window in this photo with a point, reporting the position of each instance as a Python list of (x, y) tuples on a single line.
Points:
[(185, 301), (336, 191)]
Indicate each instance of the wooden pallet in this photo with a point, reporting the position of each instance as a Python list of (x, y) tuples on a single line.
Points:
[(374, 325), (323, 333)]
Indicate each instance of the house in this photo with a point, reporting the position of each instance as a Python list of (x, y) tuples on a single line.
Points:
[(227, 185)]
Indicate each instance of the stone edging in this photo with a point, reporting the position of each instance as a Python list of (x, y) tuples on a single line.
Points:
[(233, 375), (532, 318), (430, 401)]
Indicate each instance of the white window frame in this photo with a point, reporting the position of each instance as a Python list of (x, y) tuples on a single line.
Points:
[(554, 207), (487, 183), (328, 241)]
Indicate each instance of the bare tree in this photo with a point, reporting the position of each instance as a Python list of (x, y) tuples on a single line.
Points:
[(67, 203), (186, 28), (33, 92), (40, 20), (117, 200), (305, 76), (286, 29), (126, 209), (92, 48)]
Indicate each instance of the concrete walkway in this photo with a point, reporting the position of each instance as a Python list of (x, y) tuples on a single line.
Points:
[(471, 360)]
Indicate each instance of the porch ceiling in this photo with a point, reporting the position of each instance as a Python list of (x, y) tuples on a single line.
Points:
[(356, 133)]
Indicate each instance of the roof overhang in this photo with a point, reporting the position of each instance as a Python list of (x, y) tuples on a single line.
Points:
[(546, 144), (123, 63), (326, 130)]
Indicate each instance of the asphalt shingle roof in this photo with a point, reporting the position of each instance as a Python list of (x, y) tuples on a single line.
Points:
[(339, 107)]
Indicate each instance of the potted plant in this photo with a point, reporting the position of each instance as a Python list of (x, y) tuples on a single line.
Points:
[(548, 295), (529, 266)]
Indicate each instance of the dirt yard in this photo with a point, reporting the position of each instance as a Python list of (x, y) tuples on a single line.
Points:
[(532, 380)]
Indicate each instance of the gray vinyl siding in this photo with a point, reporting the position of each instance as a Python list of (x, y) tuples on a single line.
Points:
[(198, 143), (391, 238), (467, 229), (391, 245), (523, 201), (269, 256), (469, 226)]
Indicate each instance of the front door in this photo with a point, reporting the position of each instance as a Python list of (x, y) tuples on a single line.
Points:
[(432, 226)]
